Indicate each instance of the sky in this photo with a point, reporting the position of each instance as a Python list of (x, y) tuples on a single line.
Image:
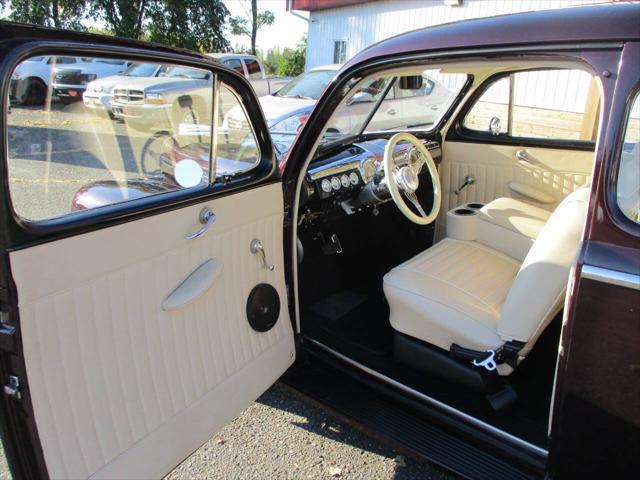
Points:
[(286, 31)]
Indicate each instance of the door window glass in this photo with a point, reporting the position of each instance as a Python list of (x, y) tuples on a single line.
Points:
[(546, 104), (237, 150), (253, 68), (416, 108), (628, 191), (494, 103), (82, 145), (61, 60)]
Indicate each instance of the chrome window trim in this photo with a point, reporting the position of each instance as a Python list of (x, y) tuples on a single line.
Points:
[(612, 277), (529, 447)]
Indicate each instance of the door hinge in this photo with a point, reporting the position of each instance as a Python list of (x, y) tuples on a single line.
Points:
[(7, 334), (12, 389)]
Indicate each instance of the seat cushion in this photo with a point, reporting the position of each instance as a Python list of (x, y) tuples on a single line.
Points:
[(515, 215), (451, 293), (510, 226)]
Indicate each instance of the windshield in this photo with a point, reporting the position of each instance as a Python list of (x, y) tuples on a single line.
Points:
[(308, 85), (186, 72), (141, 70), (417, 108)]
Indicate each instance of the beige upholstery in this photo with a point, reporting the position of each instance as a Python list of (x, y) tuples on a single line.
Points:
[(445, 295), (122, 387), (538, 291), (516, 215), (467, 293), (510, 226)]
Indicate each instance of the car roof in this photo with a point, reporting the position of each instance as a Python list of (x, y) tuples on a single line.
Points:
[(230, 55), (331, 66), (590, 23)]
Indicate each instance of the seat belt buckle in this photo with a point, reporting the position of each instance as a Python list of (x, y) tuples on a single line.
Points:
[(488, 362)]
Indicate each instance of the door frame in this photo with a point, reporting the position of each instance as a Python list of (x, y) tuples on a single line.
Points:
[(603, 58), (608, 268), (17, 422)]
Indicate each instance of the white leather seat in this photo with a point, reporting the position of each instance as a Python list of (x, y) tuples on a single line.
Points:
[(473, 295)]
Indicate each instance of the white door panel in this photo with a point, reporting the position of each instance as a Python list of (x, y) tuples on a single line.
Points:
[(554, 173), (121, 388)]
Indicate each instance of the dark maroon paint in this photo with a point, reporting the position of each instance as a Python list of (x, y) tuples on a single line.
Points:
[(596, 412)]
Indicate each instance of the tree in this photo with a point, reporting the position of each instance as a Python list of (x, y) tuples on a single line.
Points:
[(193, 24), (55, 13), (293, 60), (271, 60), (239, 25), (124, 18)]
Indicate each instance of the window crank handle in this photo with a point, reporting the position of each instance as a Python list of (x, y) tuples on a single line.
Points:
[(256, 247), (468, 180)]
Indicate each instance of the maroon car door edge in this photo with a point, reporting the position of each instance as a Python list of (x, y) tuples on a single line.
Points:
[(595, 426)]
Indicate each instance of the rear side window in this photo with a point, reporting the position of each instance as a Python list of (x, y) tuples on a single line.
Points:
[(81, 146), (253, 68), (235, 64), (556, 105), (61, 60), (628, 188)]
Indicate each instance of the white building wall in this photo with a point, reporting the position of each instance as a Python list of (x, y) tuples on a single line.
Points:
[(364, 24)]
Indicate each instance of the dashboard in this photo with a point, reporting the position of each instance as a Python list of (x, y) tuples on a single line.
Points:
[(353, 177)]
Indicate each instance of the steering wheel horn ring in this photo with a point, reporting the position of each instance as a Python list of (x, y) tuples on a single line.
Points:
[(404, 181)]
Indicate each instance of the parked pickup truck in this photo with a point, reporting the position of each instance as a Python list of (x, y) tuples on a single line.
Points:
[(97, 96), (70, 82), (154, 102), (251, 67), (32, 77)]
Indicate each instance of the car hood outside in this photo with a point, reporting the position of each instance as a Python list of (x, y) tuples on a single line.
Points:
[(160, 83), (107, 83), (275, 107)]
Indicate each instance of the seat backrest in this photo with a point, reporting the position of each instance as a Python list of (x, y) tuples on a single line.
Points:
[(538, 290)]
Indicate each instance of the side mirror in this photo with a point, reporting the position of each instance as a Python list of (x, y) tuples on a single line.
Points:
[(411, 82), (494, 125), (361, 97)]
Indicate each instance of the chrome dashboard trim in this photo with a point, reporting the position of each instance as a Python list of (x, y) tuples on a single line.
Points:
[(327, 170), (612, 277)]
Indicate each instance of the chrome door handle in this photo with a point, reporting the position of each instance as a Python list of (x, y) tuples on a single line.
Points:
[(207, 217), (522, 156), (256, 247), (393, 111)]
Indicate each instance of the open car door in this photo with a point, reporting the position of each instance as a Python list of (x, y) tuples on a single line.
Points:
[(143, 295)]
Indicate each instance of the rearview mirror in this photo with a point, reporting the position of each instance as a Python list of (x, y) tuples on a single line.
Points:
[(411, 82)]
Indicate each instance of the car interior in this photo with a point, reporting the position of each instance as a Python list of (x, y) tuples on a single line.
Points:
[(437, 254)]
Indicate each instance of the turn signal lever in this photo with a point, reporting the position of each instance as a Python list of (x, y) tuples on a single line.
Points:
[(468, 180)]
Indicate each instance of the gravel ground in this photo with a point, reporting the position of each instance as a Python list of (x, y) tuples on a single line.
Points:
[(283, 437)]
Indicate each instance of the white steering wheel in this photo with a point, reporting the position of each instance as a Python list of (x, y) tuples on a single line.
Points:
[(403, 181)]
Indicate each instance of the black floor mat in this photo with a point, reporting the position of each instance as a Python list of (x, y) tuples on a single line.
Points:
[(355, 319), (338, 305)]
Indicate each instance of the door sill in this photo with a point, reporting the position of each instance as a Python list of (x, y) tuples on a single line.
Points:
[(496, 444)]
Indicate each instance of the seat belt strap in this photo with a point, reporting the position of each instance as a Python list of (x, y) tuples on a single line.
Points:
[(489, 360)]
